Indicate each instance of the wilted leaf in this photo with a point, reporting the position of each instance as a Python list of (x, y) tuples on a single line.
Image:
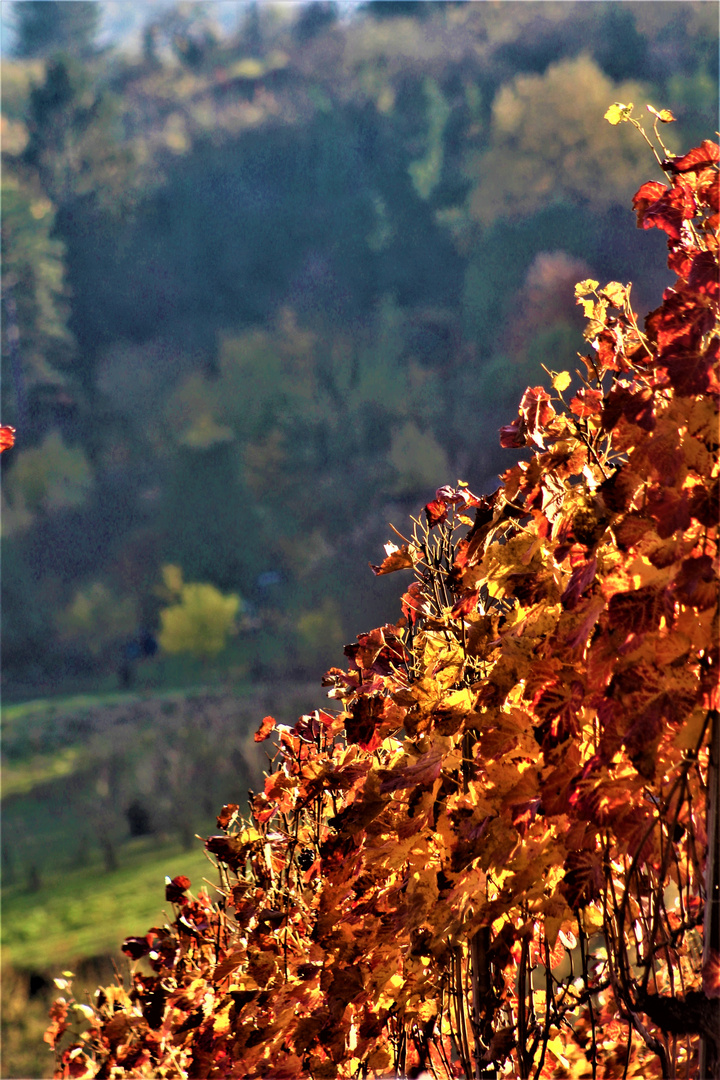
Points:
[(397, 558), (664, 114)]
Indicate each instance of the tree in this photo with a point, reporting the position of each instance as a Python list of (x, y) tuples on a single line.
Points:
[(44, 27), (545, 146), (200, 618), (501, 851)]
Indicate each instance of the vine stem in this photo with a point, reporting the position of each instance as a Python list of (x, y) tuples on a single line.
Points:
[(709, 1057)]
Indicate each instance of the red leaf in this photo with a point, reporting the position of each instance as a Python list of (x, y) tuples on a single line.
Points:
[(638, 611), (7, 438), (691, 374), (412, 602), (581, 578), (466, 604), (424, 771), (265, 729), (512, 436), (648, 194), (670, 511), (368, 723), (583, 878), (557, 704), (708, 153), (459, 496), (58, 1025), (705, 502), (436, 511), (696, 583), (536, 412), (680, 261), (682, 319), (667, 210), (634, 403), (135, 947), (587, 402), (535, 407), (175, 890), (704, 274), (228, 849)]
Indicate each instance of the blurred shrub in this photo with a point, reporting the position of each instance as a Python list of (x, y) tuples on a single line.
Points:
[(96, 618), (49, 477), (419, 460), (320, 635), (200, 620), (547, 143)]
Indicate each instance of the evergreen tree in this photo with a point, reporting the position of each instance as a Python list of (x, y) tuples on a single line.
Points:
[(45, 27)]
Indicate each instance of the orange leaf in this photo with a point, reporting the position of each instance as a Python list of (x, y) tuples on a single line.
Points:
[(265, 729)]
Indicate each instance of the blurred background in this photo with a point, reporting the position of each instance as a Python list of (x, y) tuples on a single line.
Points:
[(271, 273)]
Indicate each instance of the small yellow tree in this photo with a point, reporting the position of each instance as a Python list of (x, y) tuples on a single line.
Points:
[(199, 619)]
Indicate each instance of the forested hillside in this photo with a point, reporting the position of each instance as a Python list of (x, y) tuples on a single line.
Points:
[(263, 288)]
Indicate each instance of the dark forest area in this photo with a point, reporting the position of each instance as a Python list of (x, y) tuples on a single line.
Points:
[(266, 287)]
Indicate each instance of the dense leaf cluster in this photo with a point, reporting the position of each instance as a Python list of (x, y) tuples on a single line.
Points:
[(495, 855)]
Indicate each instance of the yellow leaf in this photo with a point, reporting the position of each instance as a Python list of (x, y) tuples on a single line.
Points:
[(689, 733), (618, 112), (587, 286), (615, 293), (591, 920), (556, 1047), (552, 929), (221, 1022), (562, 381)]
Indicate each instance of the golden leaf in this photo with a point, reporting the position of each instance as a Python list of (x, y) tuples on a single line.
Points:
[(663, 115), (689, 734), (562, 381), (615, 293), (618, 112)]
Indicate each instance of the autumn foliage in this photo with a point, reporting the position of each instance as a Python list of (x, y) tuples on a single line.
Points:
[(496, 856)]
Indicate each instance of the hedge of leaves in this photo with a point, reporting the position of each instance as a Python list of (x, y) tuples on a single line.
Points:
[(492, 857)]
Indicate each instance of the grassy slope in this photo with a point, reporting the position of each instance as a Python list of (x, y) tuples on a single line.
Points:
[(87, 912)]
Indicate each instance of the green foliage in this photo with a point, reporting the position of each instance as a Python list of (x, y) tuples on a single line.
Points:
[(44, 27), (320, 634), (419, 460), (547, 143), (96, 618), (75, 914), (165, 211), (427, 170), (34, 277), (200, 619), (49, 477)]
